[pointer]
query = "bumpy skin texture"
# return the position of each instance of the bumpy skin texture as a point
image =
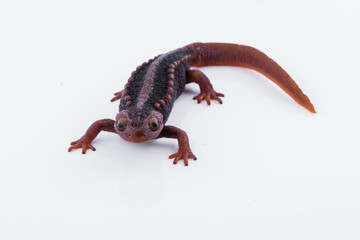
(149, 94)
(164, 72)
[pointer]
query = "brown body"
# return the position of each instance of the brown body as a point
(150, 92)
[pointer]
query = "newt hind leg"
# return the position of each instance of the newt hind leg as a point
(207, 91)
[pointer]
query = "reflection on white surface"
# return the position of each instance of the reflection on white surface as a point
(266, 168)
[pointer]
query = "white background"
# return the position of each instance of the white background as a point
(266, 169)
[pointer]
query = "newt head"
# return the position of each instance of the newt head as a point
(138, 127)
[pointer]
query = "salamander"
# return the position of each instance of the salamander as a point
(149, 94)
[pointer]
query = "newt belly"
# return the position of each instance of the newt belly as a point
(149, 94)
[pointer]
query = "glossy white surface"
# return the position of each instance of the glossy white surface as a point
(266, 169)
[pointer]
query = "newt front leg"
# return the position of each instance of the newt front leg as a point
(184, 152)
(85, 141)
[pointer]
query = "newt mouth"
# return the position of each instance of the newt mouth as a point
(139, 134)
(137, 137)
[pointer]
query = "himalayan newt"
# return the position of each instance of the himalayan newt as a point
(150, 92)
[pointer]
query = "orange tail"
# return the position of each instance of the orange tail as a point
(224, 54)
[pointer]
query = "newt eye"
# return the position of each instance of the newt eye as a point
(121, 124)
(153, 124)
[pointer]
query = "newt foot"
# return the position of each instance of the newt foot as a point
(183, 154)
(208, 95)
(82, 143)
(117, 96)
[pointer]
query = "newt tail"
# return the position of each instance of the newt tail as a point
(224, 54)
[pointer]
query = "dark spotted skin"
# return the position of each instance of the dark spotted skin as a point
(150, 93)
